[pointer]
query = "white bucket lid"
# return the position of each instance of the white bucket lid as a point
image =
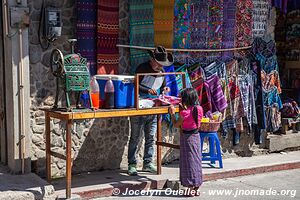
(114, 77)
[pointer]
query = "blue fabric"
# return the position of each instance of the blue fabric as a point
(171, 81)
(272, 97)
(140, 124)
(267, 64)
(86, 32)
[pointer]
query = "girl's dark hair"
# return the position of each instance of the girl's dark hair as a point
(189, 97)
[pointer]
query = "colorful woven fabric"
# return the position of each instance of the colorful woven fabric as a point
(260, 15)
(86, 32)
(182, 13)
(107, 37)
(198, 24)
(219, 102)
(190, 160)
(215, 23)
(141, 30)
(204, 96)
(163, 22)
(244, 22)
(228, 26)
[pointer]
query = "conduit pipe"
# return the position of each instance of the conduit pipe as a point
(21, 101)
(21, 141)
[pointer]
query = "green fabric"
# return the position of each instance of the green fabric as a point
(141, 31)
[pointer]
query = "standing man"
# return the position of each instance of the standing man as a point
(149, 86)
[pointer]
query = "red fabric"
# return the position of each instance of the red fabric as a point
(203, 94)
(107, 37)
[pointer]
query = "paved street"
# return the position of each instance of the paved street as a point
(279, 185)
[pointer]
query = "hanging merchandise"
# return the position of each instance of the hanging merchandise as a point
(244, 23)
(86, 32)
(182, 14)
(267, 84)
(107, 37)
(261, 9)
(163, 22)
(281, 4)
(229, 26)
(95, 93)
(215, 25)
(199, 29)
(141, 31)
(109, 92)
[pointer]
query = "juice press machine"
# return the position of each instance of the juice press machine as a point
(72, 76)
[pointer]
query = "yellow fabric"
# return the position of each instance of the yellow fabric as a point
(163, 22)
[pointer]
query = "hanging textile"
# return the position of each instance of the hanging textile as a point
(244, 22)
(229, 26)
(261, 9)
(215, 26)
(163, 22)
(182, 14)
(141, 30)
(292, 5)
(107, 37)
(86, 32)
(281, 4)
(198, 24)
(215, 23)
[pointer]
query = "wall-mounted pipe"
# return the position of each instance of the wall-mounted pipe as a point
(21, 102)
(5, 17)
(21, 105)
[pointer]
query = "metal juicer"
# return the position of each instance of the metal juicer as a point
(72, 75)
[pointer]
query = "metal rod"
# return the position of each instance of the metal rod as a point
(21, 102)
(185, 50)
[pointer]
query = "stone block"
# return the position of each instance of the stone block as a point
(277, 143)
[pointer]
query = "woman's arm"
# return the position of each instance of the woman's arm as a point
(176, 122)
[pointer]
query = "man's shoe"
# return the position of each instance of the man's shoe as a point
(149, 167)
(132, 170)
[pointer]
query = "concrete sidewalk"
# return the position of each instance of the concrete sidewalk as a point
(99, 184)
(25, 187)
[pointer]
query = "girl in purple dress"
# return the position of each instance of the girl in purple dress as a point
(189, 120)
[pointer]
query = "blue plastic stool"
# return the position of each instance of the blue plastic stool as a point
(214, 143)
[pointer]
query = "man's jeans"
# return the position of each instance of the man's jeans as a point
(140, 124)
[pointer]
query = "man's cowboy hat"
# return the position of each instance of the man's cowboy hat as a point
(160, 55)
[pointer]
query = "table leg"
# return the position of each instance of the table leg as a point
(68, 159)
(159, 139)
(48, 146)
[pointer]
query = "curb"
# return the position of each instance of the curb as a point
(160, 184)
(251, 171)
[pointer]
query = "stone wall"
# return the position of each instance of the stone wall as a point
(96, 144)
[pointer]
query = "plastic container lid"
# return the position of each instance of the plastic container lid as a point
(114, 77)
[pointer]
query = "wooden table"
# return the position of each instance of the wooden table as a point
(70, 116)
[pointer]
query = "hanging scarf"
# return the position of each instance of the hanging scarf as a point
(229, 26)
(244, 22)
(163, 22)
(86, 32)
(141, 30)
(198, 24)
(261, 10)
(182, 14)
(107, 37)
